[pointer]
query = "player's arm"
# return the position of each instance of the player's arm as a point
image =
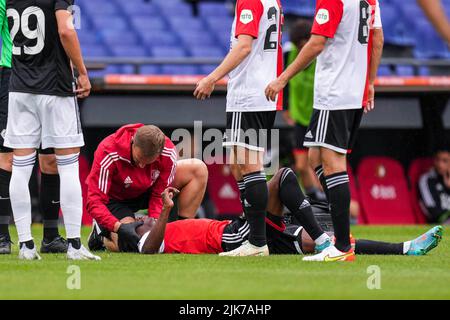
(248, 17)
(436, 13)
(328, 17)
(234, 58)
(375, 59)
(99, 183)
(156, 236)
(307, 55)
(165, 179)
(69, 41)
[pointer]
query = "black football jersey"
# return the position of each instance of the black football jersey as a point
(39, 64)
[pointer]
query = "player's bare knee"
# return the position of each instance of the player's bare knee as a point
(6, 161)
(200, 170)
(333, 163)
(47, 164)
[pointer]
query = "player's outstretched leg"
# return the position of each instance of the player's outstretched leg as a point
(293, 198)
(72, 206)
(426, 242)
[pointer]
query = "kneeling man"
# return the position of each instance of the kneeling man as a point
(131, 169)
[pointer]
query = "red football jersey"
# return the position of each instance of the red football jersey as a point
(114, 176)
(194, 236)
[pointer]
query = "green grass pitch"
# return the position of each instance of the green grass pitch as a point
(133, 276)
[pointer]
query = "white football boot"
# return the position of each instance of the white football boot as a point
(80, 254)
(28, 254)
(332, 254)
(247, 250)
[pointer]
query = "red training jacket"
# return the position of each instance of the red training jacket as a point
(113, 176)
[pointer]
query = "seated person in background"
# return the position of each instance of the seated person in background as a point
(434, 188)
(206, 236)
(131, 169)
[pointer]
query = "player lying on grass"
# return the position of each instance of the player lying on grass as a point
(205, 236)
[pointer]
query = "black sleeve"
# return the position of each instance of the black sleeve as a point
(63, 4)
(430, 198)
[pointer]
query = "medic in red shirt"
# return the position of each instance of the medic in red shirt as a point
(131, 169)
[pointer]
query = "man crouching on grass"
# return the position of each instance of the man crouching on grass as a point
(131, 169)
(206, 236)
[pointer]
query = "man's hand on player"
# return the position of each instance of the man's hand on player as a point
(204, 88)
(167, 197)
(83, 86)
(370, 99)
(274, 88)
(128, 235)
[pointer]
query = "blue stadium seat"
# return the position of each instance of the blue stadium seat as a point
(179, 69)
(124, 38)
(151, 39)
(384, 71)
(303, 8)
(95, 51)
(172, 8)
(115, 23)
(129, 51)
(138, 8)
(99, 7)
(214, 9)
(168, 52)
(186, 23)
(206, 52)
(429, 43)
(150, 69)
(219, 24)
(111, 69)
(405, 71)
(148, 24)
(196, 38)
(207, 69)
(88, 37)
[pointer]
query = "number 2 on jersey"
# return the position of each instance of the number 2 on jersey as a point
(269, 44)
(22, 24)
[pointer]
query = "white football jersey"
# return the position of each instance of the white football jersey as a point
(342, 69)
(261, 19)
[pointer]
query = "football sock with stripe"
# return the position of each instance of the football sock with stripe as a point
(49, 205)
(339, 199)
(378, 247)
(20, 195)
(293, 198)
(5, 203)
(321, 177)
(256, 198)
(70, 194)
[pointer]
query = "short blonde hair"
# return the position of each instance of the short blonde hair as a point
(150, 140)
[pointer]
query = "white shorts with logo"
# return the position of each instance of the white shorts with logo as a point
(35, 119)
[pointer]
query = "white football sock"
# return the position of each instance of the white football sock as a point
(320, 240)
(70, 194)
(406, 246)
(20, 194)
